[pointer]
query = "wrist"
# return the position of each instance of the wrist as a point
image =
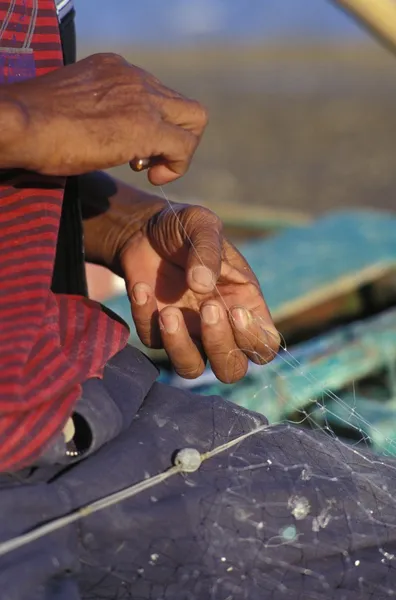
(113, 213)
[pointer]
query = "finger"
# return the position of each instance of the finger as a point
(184, 112)
(145, 315)
(237, 270)
(182, 351)
(254, 335)
(173, 149)
(163, 90)
(228, 363)
(161, 174)
(204, 230)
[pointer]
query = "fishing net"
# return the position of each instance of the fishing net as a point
(202, 498)
(277, 511)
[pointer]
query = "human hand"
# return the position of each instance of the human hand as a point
(102, 112)
(193, 293)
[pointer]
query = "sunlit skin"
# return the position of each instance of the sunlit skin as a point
(194, 294)
(191, 291)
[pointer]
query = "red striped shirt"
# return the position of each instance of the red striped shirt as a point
(49, 344)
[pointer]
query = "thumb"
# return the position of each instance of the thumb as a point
(205, 254)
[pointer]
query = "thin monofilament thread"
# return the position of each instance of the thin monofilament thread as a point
(129, 492)
(188, 238)
(308, 376)
(133, 490)
(232, 443)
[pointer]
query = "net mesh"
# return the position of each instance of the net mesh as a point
(291, 511)
(300, 507)
(299, 514)
(278, 511)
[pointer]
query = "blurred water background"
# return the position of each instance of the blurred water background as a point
(191, 21)
(302, 101)
(302, 107)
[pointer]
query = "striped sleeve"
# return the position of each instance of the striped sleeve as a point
(49, 344)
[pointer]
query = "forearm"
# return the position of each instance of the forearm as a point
(112, 212)
(13, 122)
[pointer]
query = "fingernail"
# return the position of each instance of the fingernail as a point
(273, 337)
(241, 317)
(170, 323)
(210, 314)
(140, 294)
(203, 276)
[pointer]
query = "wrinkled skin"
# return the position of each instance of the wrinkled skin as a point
(194, 294)
(190, 290)
(98, 113)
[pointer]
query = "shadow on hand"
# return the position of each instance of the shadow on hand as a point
(171, 286)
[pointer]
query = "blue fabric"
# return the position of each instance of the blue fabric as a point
(286, 514)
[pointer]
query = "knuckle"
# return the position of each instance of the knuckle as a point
(141, 74)
(154, 80)
(143, 325)
(106, 58)
(144, 336)
(148, 336)
(200, 215)
(143, 330)
(224, 353)
(235, 369)
(190, 145)
(267, 350)
(114, 57)
(184, 149)
(190, 371)
(218, 353)
(203, 116)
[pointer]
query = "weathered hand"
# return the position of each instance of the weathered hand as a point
(194, 294)
(98, 113)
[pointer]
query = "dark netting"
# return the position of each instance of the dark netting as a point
(286, 513)
(274, 511)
